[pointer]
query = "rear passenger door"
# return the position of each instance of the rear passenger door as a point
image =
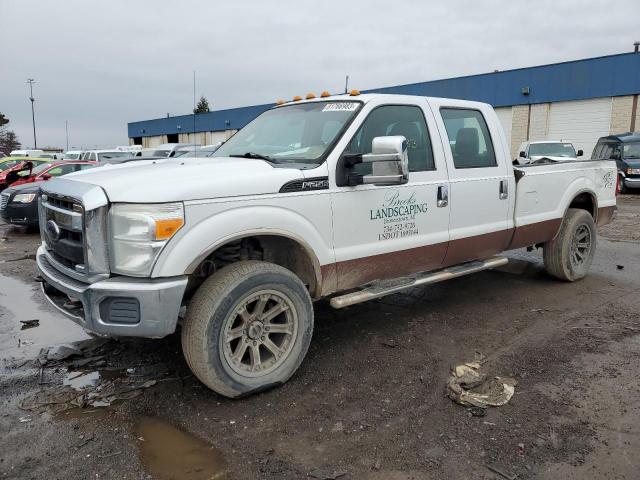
(481, 183)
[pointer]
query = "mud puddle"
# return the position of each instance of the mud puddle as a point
(169, 453)
(17, 304)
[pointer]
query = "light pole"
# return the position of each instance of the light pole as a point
(31, 81)
(66, 131)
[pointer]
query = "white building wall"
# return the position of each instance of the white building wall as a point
(505, 115)
(581, 122)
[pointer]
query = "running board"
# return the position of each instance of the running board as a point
(382, 288)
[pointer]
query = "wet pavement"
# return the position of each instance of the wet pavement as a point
(17, 304)
(169, 453)
(368, 402)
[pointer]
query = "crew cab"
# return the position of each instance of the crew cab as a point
(554, 150)
(351, 197)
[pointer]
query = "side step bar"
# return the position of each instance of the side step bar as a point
(383, 288)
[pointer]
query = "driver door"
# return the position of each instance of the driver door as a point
(388, 231)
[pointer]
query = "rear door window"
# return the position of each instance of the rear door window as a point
(469, 138)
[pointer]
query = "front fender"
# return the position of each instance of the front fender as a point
(205, 231)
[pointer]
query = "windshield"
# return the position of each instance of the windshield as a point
(9, 164)
(552, 150)
(161, 153)
(631, 150)
(298, 133)
(40, 168)
(111, 155)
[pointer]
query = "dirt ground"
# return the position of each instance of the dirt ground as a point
(369, 400)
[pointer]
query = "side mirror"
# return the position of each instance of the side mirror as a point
(522, 154)
(615, 156)
(46, 176)
(389, 162)
(580, 153)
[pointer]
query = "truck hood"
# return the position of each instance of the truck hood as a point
(176, 179)
(551, 157)
(632, 162)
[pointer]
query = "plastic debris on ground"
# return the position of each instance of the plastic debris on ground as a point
(469, 386)
(86, 383)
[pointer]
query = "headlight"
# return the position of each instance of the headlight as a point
(633, 171)
(24, 198)
(138, 234)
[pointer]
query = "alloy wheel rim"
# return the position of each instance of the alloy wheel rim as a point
(260, 333)
(580, 246)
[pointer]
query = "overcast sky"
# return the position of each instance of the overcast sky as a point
(100, 64)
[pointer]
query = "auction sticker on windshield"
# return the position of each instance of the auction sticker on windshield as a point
(340, 107)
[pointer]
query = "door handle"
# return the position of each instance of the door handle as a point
(504, 190)
(443, 196)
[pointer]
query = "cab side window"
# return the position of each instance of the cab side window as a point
(469, 138)
(405, 120)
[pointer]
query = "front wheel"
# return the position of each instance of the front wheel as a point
(570, 254)
(622, 188)
(247, 328)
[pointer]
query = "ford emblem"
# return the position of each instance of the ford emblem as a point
(53, 231)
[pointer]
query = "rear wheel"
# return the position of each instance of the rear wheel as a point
(569, 255)
(247, 328)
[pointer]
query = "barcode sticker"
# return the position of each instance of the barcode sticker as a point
(340, 107)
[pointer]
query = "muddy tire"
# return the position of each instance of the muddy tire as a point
(569, 255)
(247, 328)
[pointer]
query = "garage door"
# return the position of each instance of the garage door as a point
(505, 117)
(581, 122)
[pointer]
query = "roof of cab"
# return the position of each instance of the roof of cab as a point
(622, 137)
(367, 97)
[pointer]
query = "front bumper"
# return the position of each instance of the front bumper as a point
(120, 306)
(21, 213)
(631, 182)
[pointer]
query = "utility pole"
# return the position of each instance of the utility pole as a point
(194, 111)
(66, 130)
(31, 81)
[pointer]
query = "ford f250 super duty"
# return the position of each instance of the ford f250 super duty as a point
(350, 197)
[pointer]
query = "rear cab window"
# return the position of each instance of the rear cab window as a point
(469, 138)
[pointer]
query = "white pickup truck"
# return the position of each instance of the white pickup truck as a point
(351, 197)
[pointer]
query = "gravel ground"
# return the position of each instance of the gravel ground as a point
(368, 401)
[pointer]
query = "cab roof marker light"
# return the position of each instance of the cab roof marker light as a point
(280, 102)
(310, 96)
(325, 94)
(354, 93)
(297, 98)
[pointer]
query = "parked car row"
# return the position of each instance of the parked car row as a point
(22, 176)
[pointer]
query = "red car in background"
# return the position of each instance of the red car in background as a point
(44, 172)
(11, 170)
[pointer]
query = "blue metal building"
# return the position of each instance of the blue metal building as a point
(540, 90)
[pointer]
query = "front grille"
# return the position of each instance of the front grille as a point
(63, 232)
(4, 199)
(61, 203)
(73, 226)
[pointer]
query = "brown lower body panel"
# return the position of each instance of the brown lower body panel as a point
(605, 215)
(361, 271)
(534, 233)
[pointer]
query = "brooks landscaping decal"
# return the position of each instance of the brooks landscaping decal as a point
(397, 214)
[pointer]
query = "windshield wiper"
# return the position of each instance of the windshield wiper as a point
(256, 156)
